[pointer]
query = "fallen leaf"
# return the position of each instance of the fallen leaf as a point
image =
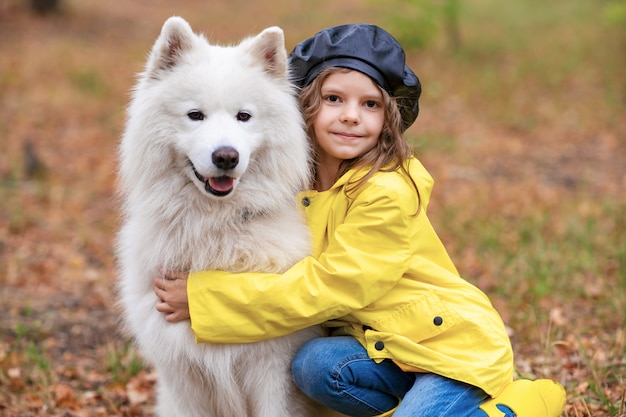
(557, 318)
(64, 396)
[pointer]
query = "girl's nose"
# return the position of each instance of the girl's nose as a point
(350, 114)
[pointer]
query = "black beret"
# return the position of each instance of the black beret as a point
(365, 48)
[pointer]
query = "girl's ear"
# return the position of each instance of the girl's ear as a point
(268, 50)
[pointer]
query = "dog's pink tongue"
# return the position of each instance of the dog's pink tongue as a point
(222, 183)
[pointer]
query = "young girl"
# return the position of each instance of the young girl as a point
(410, 337)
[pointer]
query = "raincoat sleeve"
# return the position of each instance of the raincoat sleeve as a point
(364, 259)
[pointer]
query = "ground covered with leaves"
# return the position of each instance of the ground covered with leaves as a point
(522, 126)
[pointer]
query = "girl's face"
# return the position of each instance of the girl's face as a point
(350, 119)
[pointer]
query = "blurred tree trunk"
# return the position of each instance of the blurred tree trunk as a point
(44, 6)
(451, 12)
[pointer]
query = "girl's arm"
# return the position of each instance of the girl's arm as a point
(367, 255)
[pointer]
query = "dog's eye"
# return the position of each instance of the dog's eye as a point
(195, 115)
(243, 116)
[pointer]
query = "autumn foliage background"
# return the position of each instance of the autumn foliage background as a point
(522, 126)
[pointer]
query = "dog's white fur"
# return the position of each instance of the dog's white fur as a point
(171, 218)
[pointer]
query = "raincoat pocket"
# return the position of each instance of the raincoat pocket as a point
(420, 319)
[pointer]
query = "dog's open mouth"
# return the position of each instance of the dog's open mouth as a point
(218, 186)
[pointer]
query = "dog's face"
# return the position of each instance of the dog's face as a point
(215, 133)
(215, 103)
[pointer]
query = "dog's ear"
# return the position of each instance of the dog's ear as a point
(268, 49)
(176, 37)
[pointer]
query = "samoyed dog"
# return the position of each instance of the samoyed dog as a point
(213, 155)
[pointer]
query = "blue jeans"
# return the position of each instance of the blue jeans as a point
(337, 372)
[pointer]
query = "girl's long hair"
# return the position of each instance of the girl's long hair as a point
(391, 151)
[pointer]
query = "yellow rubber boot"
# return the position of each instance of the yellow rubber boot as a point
(526, 398)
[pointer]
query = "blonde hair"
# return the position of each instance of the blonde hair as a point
(391, 150)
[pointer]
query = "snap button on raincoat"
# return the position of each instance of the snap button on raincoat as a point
(377, 272)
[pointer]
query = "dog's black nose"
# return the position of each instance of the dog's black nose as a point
(225, 157)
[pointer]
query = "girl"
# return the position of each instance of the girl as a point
(410, 337)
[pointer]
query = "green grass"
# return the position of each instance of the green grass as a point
(553, 248)
(123, 362)
(525, 49)
(35, 361)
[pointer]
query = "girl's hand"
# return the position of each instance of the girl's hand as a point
(171, 289)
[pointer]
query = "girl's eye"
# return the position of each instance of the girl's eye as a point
(332, 98)
(195, 115)
(371, 104)
(243, 116)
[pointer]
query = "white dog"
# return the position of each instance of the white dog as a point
(213, 155)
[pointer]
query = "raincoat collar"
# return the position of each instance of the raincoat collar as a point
(413, 167)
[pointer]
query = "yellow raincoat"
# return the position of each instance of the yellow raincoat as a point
(377, 272)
